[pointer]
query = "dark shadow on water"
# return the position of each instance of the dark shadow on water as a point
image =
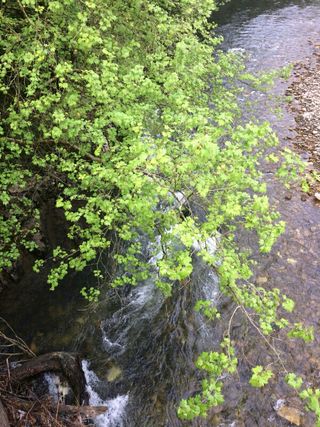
(243, 10)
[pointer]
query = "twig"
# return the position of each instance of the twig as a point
(230, 321)
(17, 340)
(24, 12)
(275, 351)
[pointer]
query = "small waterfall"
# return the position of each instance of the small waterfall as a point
(152, 341)
(155, 342)
(142, 304)
(58, 389)
(115, 415)
(138, 307)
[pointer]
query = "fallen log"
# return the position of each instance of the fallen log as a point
(69, 410)
(4, 422)
(66, 363)
(84, 411)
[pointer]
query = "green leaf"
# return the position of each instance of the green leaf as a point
(260, 376)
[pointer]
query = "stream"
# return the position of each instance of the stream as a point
(140, 348)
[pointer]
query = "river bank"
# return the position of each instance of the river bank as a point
(304, 92)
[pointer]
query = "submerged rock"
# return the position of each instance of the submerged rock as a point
(290, 414)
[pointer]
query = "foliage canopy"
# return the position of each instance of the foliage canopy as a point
(121, 106)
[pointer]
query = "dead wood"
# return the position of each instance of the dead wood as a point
(61, 409)
(66, 363)
(4, 422)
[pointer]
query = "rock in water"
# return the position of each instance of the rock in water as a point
(292, 415)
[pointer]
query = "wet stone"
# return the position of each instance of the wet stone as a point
(292, 415)
(261, 280)
(113, 373)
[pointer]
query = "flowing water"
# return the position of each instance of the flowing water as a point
(140, 348)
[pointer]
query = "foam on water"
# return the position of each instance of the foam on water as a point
(53, 384)
(115, 415)
(58, 389)
(210, 245)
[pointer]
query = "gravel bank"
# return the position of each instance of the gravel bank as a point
(305, 105)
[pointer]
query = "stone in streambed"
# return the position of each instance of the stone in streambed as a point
(114, 373)
(261, 280)
(292, 415)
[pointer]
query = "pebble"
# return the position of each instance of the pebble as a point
(261, 280)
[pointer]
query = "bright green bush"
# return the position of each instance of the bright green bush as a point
(119, 105)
